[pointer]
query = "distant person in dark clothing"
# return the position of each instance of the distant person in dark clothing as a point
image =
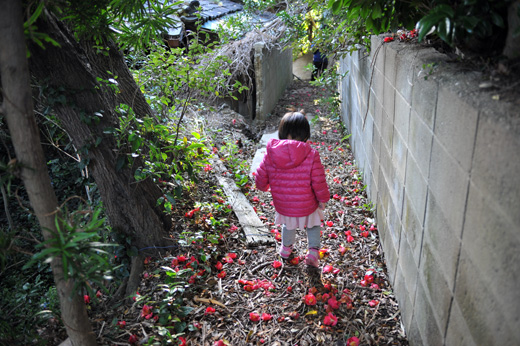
(320, 63)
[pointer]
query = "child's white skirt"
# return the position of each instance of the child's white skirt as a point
(292, 222)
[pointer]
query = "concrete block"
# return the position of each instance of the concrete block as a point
(390, 252)
(390, 64)
(449, 183)
(405, 296)
(377, 54)
(404, 78)
(377, 85)
(456, 126)
(492, 243)
(482, 312)
(402, 116)
(431, 335)
(389, 100)
(394, 226)
(387, 132)
(399, 156)
(420, 143)
(496, 161)
(376, 142)
(408, 264)
(354, 59)
(416, 188)
(458, 333)
(434, 282)
(384, 194)
(378, 112)
(412, 228)
(413, 334)
(442, 237)
(424, 99)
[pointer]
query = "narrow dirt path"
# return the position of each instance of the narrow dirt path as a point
(234, 294)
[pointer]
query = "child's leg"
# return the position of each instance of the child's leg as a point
(313, 241)
(313, 237)
(288, 237)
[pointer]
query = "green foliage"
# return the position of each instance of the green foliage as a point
(458, 22)
(77, 243)
(239, 167)
(140, 23)
(331, 100)
(26, 304)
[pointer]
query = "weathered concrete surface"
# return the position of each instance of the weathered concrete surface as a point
(273, 73)
(441, 160)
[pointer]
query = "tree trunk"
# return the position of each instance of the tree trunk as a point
(72, 70)
(17, 106)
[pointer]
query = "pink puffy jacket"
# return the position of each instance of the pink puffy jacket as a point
(296, 176)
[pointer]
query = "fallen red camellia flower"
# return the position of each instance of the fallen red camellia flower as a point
(353, 341)
(266, 317)
(330, 320)
(253, 316)
(310, 299)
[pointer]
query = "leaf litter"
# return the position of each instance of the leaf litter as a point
(232, 280)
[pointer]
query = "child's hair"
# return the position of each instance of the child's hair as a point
(296, 125)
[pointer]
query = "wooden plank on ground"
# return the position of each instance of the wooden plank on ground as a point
(254, 229)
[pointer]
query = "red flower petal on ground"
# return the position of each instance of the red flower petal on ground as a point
(182, 340)
(294, 315)
(266, 317)
(374, 286)
(219, 265)
(330, 223)
(342, 250)
(333, 303)
(277, 264)
(121, 324)
(86, 299)
(289, 289)
(310, 299)
(253, 316)
(209, 310)
(369, 278)
(221, 275)
(388, 39)
(295, 261)
(133, 339)
(373, 303)
(350, 238)
(323, 252)
(333, 235)
(353, 341)
(327, 268)
(330, 320)
(219, 343)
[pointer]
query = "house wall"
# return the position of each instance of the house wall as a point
(441, 160)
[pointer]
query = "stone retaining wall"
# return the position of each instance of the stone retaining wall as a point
(441, 159)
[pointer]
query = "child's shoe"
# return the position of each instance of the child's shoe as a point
(285, 251)
(312, 258)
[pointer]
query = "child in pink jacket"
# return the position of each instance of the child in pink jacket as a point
(296, 176)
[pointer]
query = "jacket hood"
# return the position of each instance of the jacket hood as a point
(287, 153)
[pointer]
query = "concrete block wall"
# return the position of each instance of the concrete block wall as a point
(441, 160)
(273, 73)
